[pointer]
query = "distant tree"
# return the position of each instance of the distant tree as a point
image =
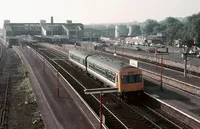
(149, 25)
(170, 20)
(136, 30)
(159, 29)
(191, 30)
(189, 43)
(172, 28)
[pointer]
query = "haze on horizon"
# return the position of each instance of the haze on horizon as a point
(95, 11)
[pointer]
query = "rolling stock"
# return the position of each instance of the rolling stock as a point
(115, 73)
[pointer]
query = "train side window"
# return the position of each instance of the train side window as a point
(116, 78)
(106, 72)
(109, 75)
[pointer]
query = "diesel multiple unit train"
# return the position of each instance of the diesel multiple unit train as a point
(127, 79)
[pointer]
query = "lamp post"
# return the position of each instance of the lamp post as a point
(156, 62)
(100, 91)
(101, 110)
(57, 78)
(35, 56)
(44, 66)
(161, 67)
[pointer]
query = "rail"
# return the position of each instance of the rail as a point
(4, 109)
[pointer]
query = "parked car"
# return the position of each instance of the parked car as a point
(137, 48)
(153, 45)
(153, 50)
(142, 44)
(198, 55)
(117, 43)
(160, 46)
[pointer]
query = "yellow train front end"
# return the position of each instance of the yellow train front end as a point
(130, 81)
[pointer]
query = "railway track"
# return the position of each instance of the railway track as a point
(5, 105)
(5, 83)
(118, 114)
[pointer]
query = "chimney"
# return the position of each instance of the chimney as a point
(69, 21)
(51, 19)
(51, 25)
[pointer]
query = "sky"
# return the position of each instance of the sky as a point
(95, 11)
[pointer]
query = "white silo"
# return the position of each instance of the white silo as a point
(130, 30)
(121, 30)
(116, 32)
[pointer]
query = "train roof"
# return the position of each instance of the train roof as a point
(116, 65)
(111, 63)
(80, 53)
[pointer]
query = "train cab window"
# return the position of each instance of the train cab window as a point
(138, 78)
(131, 79)
(124, 79)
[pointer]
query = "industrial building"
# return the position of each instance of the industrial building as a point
(68, 32)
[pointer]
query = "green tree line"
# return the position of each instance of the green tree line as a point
(187, 29)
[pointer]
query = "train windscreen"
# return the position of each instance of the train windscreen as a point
(125, 79)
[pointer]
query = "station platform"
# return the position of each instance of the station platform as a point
(181, 100)
(65, 111)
